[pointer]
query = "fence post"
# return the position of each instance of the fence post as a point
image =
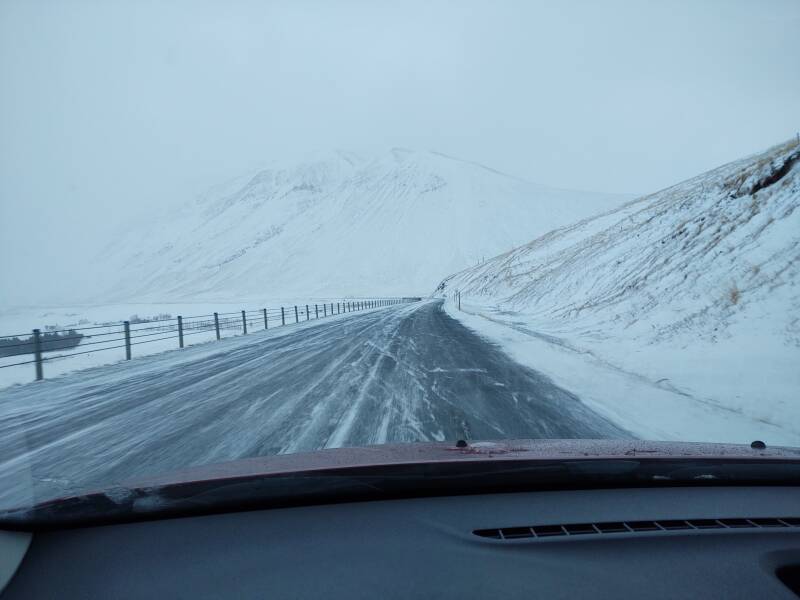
(216, 324)
(244, 323)
(324, 310)
(306, 312)
(265, 318)
(127, 325)
(180, 331)
(316, 311)
(37, 353)
(296, 319)
(283, 317)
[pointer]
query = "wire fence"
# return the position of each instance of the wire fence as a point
(37, 347)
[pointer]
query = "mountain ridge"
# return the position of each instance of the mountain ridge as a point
(692, 290)
(346, 224)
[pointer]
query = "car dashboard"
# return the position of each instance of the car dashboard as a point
(710, 542)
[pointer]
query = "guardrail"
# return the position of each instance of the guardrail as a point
(121, 335)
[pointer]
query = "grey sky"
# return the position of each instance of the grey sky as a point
(110, 109)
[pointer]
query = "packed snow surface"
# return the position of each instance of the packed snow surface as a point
(401, 374)
(677, 315)
(336, 225)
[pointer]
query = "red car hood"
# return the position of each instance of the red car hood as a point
(403, 470)
(440, 452)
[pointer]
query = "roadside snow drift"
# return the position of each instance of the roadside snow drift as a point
(677, 314)
(337, 225)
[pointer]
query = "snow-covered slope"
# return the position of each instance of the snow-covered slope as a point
(338, 225)
(694, 289)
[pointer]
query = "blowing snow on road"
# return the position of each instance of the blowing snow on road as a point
(400, 374)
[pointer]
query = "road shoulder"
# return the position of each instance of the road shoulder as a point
(650, 410)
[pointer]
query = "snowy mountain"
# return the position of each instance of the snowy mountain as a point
(338, 225)
(694, 288)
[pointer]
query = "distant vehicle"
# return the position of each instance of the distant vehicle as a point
(49, 341)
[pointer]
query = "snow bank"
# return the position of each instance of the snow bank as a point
(677, 314)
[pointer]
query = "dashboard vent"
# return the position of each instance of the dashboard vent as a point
(546, 531)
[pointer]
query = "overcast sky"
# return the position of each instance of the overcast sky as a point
(110, 109)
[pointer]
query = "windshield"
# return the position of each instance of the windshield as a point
(235, 231)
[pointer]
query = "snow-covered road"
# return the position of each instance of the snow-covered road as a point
(400, 374)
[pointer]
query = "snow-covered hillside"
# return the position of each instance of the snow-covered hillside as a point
(338, 225)
(677, 314)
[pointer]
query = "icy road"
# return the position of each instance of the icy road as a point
(406, 373)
